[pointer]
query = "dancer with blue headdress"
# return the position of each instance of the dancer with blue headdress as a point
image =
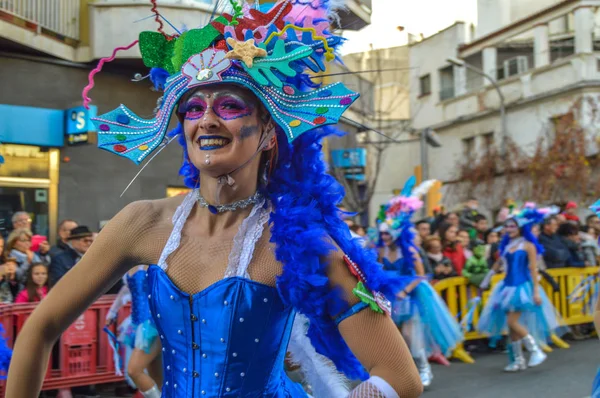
(518, 305)
(254, 262)
(419, 311)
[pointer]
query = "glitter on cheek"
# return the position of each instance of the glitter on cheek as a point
(247, 131)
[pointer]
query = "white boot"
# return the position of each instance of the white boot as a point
(537, 355)
(515, 356)
(424, 368)
(151, 393)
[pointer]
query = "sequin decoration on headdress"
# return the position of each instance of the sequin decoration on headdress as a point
(268, 52)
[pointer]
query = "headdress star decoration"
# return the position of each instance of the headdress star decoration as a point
(244, 51)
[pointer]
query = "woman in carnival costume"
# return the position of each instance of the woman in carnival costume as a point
(256, 255)
(596, 385)
(138, 333)
(418, 310)
(517, 303)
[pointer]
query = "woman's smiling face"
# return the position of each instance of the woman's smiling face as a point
(223, 127)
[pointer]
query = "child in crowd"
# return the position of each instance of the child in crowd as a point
(492, 240)
(465, 240)
(476, 267)
(9, 284)
(589, 245)
(441, 265)
(36, 287)
(479, 231)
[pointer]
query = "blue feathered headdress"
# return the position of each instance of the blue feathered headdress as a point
(398, 213)
(526, 218)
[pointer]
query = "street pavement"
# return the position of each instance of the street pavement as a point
(565, 374)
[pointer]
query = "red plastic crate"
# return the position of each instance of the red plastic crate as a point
(83, 331)
(78, 360)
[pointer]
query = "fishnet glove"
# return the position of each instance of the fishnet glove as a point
(375, 387)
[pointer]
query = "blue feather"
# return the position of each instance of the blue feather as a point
(408, 186)
(159, 76)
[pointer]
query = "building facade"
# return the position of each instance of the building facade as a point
(539, 66)
(52, 168)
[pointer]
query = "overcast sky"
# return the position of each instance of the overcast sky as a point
(424, 16)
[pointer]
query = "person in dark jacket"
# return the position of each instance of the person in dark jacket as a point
(79, 241)
(556, 254)
(569, 234)
(64, 230)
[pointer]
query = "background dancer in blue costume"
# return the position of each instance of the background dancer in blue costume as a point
(518, 304)
(138, 333)
(420, 313)
(596, 385)
(256, 255)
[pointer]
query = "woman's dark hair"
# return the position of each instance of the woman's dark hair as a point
(443, 229)
(32, 289)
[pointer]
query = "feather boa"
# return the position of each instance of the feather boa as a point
(322, 376)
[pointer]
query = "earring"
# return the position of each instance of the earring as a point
(207, 160)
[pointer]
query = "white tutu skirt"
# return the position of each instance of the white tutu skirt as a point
(140, 336)
(540, 320)
(425, 321)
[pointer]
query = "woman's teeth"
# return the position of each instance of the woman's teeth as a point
(213, 143)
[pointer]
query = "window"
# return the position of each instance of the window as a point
(468, 147)
(425, 85)
(488, 142)
(447, 83)
(516, 66)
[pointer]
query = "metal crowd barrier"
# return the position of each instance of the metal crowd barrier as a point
(458, 294)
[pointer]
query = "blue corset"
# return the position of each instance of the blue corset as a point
(398, 266)
(517, 271)
(229, 340)
(140, 308)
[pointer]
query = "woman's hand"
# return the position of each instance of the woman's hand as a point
(537, 299)
(44, 248)
(30, 256)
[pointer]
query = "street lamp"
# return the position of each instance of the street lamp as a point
(460, 62)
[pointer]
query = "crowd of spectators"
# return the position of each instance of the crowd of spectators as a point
(29, 266)
(465, 242)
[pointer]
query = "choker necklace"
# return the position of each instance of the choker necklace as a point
(240, 204)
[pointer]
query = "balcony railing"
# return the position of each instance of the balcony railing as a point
(57, 16)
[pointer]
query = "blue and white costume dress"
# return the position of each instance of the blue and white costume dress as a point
(137, 330)
(432, 326)
(515, 294)
(231, 338)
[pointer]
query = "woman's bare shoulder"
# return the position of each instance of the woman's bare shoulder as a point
(144, 214)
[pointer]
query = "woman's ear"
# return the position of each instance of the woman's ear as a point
(271, 140)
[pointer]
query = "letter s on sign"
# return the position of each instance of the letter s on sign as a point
(80, 120)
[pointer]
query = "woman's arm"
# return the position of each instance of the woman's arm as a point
(123, 243)
(533, 269)
(375, 340)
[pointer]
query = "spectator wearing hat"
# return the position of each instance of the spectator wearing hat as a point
(78, 242)
(64, 231)
(571, 213)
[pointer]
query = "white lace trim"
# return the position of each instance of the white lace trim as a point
(243, 243)
(245, 240)
(179, 218)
